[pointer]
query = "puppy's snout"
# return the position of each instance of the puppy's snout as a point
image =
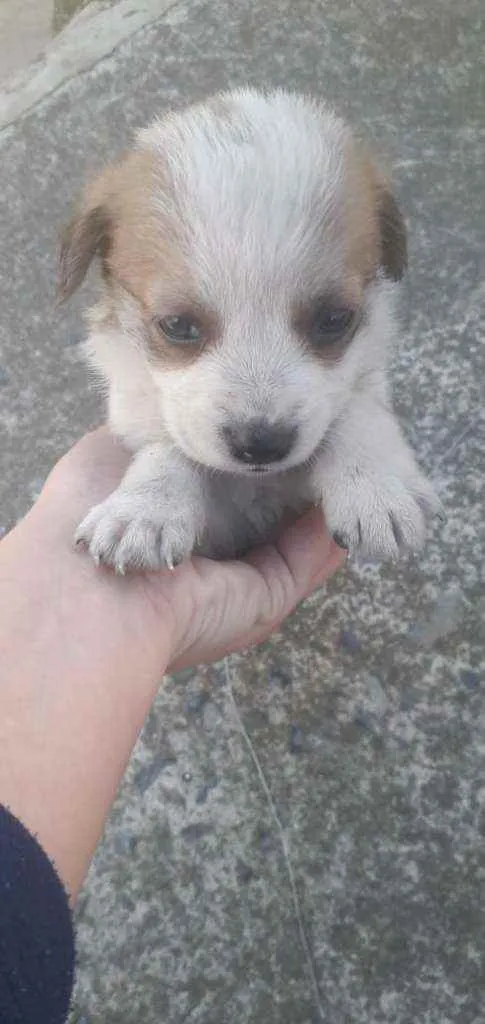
(258, 442)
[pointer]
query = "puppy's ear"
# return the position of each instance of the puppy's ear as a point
(87, 235)
(377, 222)
(393, 256)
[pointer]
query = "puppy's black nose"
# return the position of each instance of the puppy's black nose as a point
(258, 442)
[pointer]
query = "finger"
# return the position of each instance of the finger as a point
(257, 593)
(309, 550)
(303, 557)
(260, 598)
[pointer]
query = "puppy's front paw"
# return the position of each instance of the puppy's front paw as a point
(380, 517)
(135, 531)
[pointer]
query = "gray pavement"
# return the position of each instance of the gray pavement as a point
(312, 851)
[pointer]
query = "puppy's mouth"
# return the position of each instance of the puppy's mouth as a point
(259, 470)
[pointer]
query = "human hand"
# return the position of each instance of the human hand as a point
(83, 650)
(207, 608)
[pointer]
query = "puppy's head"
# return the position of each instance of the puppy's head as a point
(249, 252)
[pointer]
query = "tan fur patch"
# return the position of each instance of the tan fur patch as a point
(145, 247)
(361, 225)
(128, 217)
(376, 233)
(121, 218)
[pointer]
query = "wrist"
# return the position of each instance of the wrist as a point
(83, 653)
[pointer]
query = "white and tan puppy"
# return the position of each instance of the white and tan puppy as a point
(250, 254)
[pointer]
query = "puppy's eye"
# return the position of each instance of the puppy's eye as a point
(329, 325)
(180, 330)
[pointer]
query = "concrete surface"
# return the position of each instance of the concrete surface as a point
(24, 30)
(93, 33)
(313, 851)
(64, 10)
(27, 28)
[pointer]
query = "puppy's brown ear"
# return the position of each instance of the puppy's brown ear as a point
(393, 257)
(87, 235)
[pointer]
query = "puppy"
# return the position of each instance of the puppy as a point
(251, 255)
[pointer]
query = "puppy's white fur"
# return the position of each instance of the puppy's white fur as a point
(249, 207)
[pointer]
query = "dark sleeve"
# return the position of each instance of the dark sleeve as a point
(36, 931)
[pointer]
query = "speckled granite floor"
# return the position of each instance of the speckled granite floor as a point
(355, 745)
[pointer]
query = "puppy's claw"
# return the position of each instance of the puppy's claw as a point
(340, 540)
(133, 536)
(397, 532)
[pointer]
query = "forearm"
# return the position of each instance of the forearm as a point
(77, 679)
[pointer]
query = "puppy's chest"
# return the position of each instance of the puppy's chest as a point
(242, 513)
